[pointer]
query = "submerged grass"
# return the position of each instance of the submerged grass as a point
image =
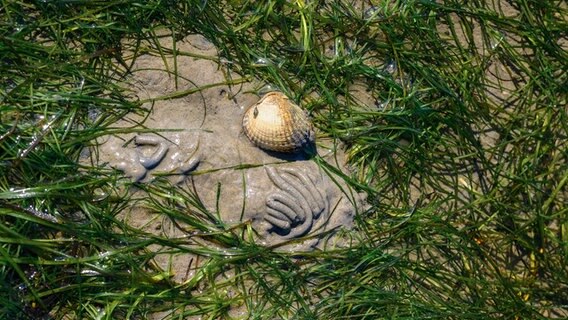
(453, 114)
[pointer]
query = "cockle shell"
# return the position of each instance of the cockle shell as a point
(277, 124)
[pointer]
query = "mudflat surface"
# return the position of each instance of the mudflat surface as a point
(196, 141)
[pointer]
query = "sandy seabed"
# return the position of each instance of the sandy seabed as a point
(199, 142)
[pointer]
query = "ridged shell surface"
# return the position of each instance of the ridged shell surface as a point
(275, 123)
